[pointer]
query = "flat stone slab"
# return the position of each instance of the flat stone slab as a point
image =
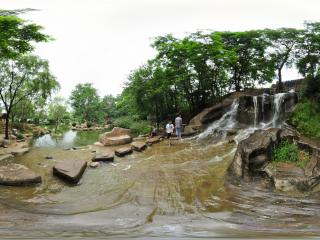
(123, 151)
(106, 157)
(70, 170)
(18, 175)
(138, 146)
(6, 157)
(153, 140)
(19, 151)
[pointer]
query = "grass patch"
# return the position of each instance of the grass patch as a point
(289, 153)
(306, 118)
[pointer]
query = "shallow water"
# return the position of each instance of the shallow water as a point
(163, 192)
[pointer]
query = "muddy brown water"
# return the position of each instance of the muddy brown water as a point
(163, 192)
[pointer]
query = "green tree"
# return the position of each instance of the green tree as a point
(26, 77)
(248, 64)
(17, 36)
(57, 111)
(86, 103)
(283, 45)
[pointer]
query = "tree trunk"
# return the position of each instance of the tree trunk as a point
(7, 126)
(280, 84)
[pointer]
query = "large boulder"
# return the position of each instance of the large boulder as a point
(254, 158)
(70, 170)
(117, 136)
(17, 175)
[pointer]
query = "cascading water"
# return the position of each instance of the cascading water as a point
(277, 103)
(255, 104)
(227, 121)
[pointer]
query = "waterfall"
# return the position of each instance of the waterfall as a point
(227, 121)
(255, 104)
(277, 103)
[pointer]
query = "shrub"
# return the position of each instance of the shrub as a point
(306, 119)
(286, 152)
(137, 126)
(289, 153)
(74, 124)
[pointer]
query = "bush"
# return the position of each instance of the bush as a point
(289, 153)
(306, 118)
(74, 124)
(137, 126)
(286, 152)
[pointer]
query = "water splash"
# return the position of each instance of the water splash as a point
(277, 103)
(226, 122)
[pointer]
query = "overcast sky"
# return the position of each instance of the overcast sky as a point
(101, 41)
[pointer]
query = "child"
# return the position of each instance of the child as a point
(169, 130)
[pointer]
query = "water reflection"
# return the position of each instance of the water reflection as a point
(68, 139)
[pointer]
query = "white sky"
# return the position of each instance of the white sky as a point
(101, 41)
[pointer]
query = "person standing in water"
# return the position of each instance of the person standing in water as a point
(178, 124)
(169, 130)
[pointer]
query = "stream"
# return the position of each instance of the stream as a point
(171, 192)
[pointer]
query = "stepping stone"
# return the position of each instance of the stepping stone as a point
(94, 164)
(70, 170)
(123, 151)
(6, 157)
(19, 152)
(18, 175)
(106, 156)
(138, 146)
(153, 140)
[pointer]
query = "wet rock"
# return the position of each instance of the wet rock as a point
(19, 151)
(70, 170)
(94, 164)
(17, 175)
(98, 144)
(123, 151)
(117, 136)
(6, 157)
(153, 140)
(254, 155)
(105, 157)
(138, 146)
(188, 131)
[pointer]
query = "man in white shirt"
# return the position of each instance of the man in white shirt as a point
(169, 130)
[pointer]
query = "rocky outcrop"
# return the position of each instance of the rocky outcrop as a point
(18, 175)
(138, 146)
(265, 108)
(254, 156)
(121, 152)
(215, 112)
(70, 170)
(118, 136)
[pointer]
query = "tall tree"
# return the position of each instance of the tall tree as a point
(86, 103)
(25, 77)
(57, 110)
(282, 47)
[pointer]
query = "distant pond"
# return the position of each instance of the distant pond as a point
(68, 139)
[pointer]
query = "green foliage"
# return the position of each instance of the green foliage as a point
(57, 111)
(286, 152)
(306, 118)
(86, 104)
(289, 153)
(137, 126)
